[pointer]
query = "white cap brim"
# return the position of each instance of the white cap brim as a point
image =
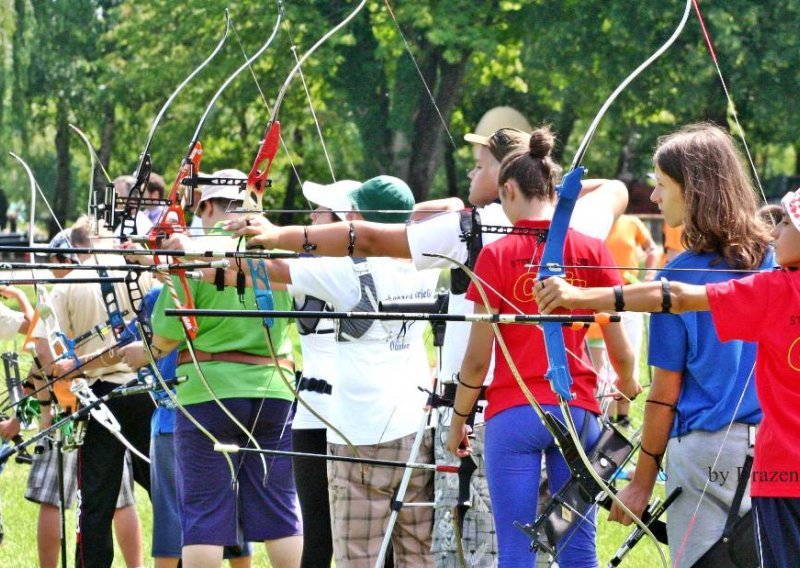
(333, 196)
(477, 139)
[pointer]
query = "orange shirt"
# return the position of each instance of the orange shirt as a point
(628, 235)
(672, 241)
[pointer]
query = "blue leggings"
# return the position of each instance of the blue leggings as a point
(777, 525)
(515, 442)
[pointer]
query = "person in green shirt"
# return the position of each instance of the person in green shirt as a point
(232, 373)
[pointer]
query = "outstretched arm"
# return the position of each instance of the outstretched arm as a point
(554, 293)
(368, 239)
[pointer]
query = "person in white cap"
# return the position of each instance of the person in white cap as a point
(233, 362)
(702, 405)
(316, 383)
(217, 202)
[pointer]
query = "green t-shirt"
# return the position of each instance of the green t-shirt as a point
(220, 334)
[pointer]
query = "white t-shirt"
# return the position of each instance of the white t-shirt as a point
(375, 398)
(319, 362)
(10, 320)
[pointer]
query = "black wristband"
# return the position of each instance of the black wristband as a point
(619, 300)
(458, 378)
(45, 402)
(656, 457)
(351, 246)
(666, 299)
(307, 246)
(461, 414)
(660, 403)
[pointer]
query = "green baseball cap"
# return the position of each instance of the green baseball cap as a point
(380, 194)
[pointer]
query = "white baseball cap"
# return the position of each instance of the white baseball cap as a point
(231, 192)
(333, 196)
(791, 204)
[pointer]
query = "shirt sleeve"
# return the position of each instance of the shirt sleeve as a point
(668, 342)
(333, 280)
(487, 270)
(592, 217)
(440, 234)
(10, 320)
(738, 306)
(167, 327)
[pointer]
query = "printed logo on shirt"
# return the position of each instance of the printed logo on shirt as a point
(523, 287)
(793, 357)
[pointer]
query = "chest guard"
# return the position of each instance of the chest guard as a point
(473, 239)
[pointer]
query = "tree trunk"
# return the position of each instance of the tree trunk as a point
(563, 129)
(426, 147)
(106, 144)
(797, 159)
(361, 79)
(292, 186)
(61, 199)
(453, 177)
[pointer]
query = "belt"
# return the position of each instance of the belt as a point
(314, 385)
(185, 357)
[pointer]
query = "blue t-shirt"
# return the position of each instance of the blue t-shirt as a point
(163, 420)
(714, 373)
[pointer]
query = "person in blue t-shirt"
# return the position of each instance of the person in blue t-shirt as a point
(702, 184)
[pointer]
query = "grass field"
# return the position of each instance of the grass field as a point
(20, 517)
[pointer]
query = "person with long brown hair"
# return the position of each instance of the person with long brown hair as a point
(702, 407)
(515, 438)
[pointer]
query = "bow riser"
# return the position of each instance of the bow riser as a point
(552, 265)
(257, 179)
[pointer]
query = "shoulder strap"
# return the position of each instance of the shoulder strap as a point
(306, 325)
(351, 329)
(733, 514)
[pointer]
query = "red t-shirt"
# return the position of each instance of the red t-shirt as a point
(765, 308)
(503, 268)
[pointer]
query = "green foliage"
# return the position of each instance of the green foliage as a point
(111, 64)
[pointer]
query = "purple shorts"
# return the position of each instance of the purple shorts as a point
(212, 507)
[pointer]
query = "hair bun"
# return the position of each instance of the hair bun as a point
(541, 143)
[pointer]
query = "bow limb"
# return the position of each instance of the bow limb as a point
(94, 160)
(178, 90)
(143, 169)
(257, 178)
(562, 404)
(174, 399)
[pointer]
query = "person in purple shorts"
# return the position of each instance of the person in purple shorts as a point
(233, 373)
